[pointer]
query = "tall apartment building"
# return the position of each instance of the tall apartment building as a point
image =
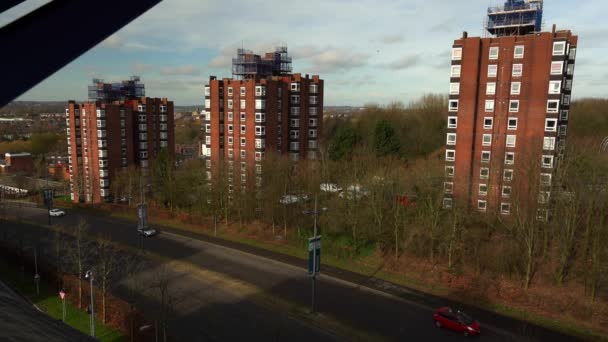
(508, 111)
(107, 135)
(270, 110)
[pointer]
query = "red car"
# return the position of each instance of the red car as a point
(457, 321)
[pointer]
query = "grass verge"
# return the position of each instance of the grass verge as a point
(49, 302)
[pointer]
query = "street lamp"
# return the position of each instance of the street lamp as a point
(89, 275)
(313, 264)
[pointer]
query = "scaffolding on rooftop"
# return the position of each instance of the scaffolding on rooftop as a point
(107, 92)
(515, 17)
(248, 65)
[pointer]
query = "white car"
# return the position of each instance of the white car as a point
(147, 232)
(56, 212)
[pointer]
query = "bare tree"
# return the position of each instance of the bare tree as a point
(106, 267)
(79, 252)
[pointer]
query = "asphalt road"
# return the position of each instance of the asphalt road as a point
(375, 312)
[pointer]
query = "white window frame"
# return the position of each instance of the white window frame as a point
(549, 143)
(243, 91)
(448, 187)
(563, 114)
(486, 140)
(492, 70)
(230, 91)
(548, 128)
(518, 70)
(454, 88)
(513, 109)
(482, 205)
(489, 106)
(481, 173)
(559, 48)
(447, 203)
(488, 159)
(521, 54)
(557, 68)
(447, 155)
(515, 88)
(451, 141)
(485, 125)
(504, 175)
(545, 179)
(555, 87)
(511, 140)
(508, 194)
(482, 189)
(449, 171)
(511, 127)
(551, 110)
(562, 130)
(549, 164)
(455, 125)
(566, 99)
(491, 88)
(493, 52)
(457, 53)
(455, 71)
(512, 160)
(505, 208)
(451, 104)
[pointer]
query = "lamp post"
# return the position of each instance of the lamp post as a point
(36, 276)
(315, 248)
(89, 275)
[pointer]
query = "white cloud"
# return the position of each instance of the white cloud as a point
(142, 67)
(331, 60)
(186, 70)
(113, 42)
(405, 62)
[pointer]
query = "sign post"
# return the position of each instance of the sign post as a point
(62, 296)
(142, 220)
(47, 195)
(314, 263)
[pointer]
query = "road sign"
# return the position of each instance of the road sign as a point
(142, 216)
(62, 294)
(314, 255)
(47, 196)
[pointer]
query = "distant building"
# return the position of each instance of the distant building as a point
(17, 163)
(105, 136)
(508, 110)
(267, 109)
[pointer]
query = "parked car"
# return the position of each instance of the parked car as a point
(292, 199)
(56, 212)
(457, 321)
(330, 187)
(147, 232)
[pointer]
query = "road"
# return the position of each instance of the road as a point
(377, 313)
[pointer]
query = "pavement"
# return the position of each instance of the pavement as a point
(222, 294)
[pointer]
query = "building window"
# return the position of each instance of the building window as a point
(483, 189)
(550, 125)
(494, 52)
(572, 54)
(295, 111)
(260, 117)
(519, 51)
(559, 48)
(230, 116)
(562, 130)
(506, 191)
(552, 106)
(229, 91)
(555, 87)
(243, 154)
(450, 155)
(453, 107)
(454, 88)
(543, 197)
(485, 156)
(489, 105)
(513, 106)
(260, 130)
(260, 104)
(456, 54)
(447, 203)
(243, 103)
(484, 173)
(294, 122)
(545, 179)
(242, 91)
(452, 122)
(557, 68)
(242, 116)
(243, 128)
(295, 86)
(491, 88)
(448, 187)
(563, 115)
(515, 88)
(230, 151)
(449, 171)
(455, 71)
(312, 133)
(243, 142)
(549, 143)
(566, 99)
(517, 70)
(230, 127)
(451, 139)
(547, 162)
(486, 140)
(507, 175)
(481, 205)
(492, 70)
(313, 88)
(510, 158)
(512, 124)
(505, 208)
(511, 140)
(488, 122)
(568, 85)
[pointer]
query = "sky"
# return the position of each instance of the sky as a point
(367, 51)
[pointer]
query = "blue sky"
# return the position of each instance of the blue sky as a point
(365, 50)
